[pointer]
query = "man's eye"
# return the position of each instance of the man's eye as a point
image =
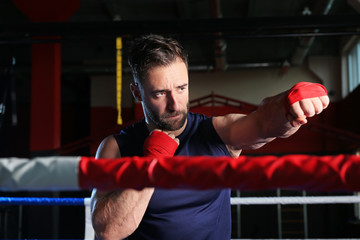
(159, 94)
(181, 89)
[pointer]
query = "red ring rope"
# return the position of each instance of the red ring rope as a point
(318, 173)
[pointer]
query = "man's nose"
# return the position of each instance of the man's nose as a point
(172, 102)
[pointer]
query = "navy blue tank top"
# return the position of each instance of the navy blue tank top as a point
(183, 214)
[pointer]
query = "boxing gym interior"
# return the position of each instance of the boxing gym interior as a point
(64, 87)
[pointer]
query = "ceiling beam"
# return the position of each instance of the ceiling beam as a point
(231, 28)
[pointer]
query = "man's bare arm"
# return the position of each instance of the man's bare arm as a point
(269, 121)
(117, 214)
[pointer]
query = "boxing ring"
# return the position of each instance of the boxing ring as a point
(245, 173)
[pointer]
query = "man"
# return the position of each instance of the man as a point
(161, 83)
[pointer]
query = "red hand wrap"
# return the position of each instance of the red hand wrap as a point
(131, 172)
(159, 144)
(301, 172)
(303, 90)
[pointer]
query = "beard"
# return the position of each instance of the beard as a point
(163, 122)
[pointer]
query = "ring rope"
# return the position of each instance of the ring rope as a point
(302, 172)
(234, 200)
(295, 200)
(89, 233)
(43, 201)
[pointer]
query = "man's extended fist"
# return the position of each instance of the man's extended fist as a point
(305, 100)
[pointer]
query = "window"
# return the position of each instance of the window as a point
(354, 67)
(350, 66)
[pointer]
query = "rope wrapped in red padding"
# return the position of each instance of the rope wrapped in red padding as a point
(301, 172)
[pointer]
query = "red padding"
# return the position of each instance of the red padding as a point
(301, 172)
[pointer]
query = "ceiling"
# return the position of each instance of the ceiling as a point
(219, 34)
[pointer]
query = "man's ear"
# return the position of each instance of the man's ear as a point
(135, 91)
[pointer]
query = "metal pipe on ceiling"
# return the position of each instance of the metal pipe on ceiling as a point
(219, 43)
(305, 43)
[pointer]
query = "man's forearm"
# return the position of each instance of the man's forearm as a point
(271, 116)
(116, 215)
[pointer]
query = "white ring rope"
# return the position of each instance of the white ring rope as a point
(41, 173)
(295, 200)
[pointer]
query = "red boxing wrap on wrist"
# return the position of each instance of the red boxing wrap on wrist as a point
(303, 90)
(159, 144)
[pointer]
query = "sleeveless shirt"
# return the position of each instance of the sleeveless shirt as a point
(183, 214)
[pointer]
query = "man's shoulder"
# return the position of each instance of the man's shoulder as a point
(108, 148)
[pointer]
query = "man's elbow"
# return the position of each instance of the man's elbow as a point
(111, 231)
(258, 144)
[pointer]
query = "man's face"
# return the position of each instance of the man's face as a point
(165, 96)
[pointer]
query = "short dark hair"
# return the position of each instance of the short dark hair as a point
(151, 51)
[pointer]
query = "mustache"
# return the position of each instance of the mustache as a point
(172, 114)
